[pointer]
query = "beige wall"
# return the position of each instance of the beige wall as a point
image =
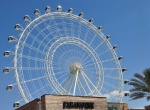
(51, 102)
(55, 102)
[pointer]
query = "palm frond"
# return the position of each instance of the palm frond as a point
(141, 85)
(146, 73)
(148, 98)
(140, 77)
(134, 82)
(135, 89)
(137, 95)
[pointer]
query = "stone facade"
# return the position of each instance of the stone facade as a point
(65, 102)
(51, 102)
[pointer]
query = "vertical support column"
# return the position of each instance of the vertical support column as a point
(75, 83)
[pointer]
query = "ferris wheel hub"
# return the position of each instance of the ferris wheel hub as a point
(75, 67)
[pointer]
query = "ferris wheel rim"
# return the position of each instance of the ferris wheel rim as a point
(70, 15)
(73, 42)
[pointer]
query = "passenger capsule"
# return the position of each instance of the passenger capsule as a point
(100, 28)
(48, 9)
(10, 39)
(6, 54)
(37, 12)
(70, 10)
(108, 37)
(115, 47)
(126, 82)
(16, 105)
(120, 58)
(91, 20)
(26, 18)
(6, 70)
(124, 69)
(17, 27)
(81, 14)
(9, 88)
(126, 94)
(59, 8)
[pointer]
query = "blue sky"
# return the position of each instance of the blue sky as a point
(126, 21)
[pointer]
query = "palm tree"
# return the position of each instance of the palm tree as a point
(141, 85)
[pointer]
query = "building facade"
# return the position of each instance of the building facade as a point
(65, 102)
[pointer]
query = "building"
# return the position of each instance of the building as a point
(117, 106)
(147, 107)
(66, 102)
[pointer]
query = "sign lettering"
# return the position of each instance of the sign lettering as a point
(78, 105)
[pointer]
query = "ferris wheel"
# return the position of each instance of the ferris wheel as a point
(63, 53)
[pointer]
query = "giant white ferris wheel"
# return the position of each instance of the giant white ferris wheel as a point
(63, 53)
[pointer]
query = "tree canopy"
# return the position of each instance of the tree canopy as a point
(141, 85)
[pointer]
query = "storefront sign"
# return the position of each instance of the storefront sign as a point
(78, 105)
(113, 108)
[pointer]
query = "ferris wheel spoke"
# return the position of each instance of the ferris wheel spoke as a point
(87, 62)
(82, 86)
(27, 81)
(103, 68)
(79, 88)
(36, 39)
(83, 57)
(109, 60)
(64, 27)
(61, 72)
(112, 69)
(38, 29)
(62, 76)
(72, 27)
(20, 100)
(64, 80)
(110, 85)
(32, 58)
(90, 90)
(95, 88)
(63, 89)
(86, 34)
(93, 38)
(63, 68)
(106, 93)
(71, 85)
(89, 55)
(75, 84)
(39, 89)
(42, 33)
(91, 64)
(33, 68)
(103, 52)
(57, 28)
(86, 58)
(47, 25)
(67, 82)
(110, 76)
(79, 30)
(33, 48)
(98, 45)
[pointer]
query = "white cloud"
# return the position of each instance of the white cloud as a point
(139, 108)
(114, 94)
